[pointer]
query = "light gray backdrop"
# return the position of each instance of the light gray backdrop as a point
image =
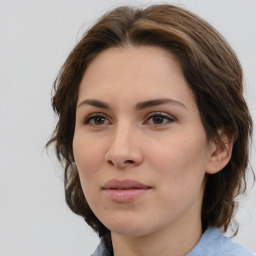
(35, 39)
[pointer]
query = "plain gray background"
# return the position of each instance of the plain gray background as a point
(35, 39)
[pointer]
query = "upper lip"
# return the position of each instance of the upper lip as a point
(124, 184)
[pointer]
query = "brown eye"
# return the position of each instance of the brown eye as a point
(159, 118)
(96, 119)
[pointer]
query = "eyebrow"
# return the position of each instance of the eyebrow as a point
(139, 105)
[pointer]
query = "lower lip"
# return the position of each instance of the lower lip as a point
(125, 195)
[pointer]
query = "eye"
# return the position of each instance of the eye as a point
(96, 119)
(159, 118)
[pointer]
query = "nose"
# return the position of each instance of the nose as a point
(124, 149)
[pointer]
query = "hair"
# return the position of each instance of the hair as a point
(213, 73)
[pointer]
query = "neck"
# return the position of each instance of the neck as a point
(171, 241)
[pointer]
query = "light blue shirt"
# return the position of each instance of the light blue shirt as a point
(212, 243)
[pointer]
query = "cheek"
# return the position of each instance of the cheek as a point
(180, 172)
(181, 161)
(88, 156)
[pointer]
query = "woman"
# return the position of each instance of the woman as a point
(153, 130)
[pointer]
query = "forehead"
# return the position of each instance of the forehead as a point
(135, 72)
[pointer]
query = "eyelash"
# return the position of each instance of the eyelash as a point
(91, 117)
(167, 117)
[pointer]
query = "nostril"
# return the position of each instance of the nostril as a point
(110, 162)
(119, 161)
(129, 161)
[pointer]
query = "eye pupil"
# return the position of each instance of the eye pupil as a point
(99, 120)
(158, 119)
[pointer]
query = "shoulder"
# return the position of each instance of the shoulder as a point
(100, 250)
(214, 243)
(104, 248)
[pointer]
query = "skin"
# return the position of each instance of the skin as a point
(168, 152)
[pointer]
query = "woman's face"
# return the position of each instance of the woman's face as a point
(139, 143)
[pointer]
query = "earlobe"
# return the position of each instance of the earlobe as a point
(220, 152)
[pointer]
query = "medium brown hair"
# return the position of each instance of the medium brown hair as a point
(213, 73)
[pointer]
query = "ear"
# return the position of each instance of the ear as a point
(220, 151)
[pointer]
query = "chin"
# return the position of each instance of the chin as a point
(132, 232)
(126, 227)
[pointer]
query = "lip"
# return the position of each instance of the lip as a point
(124, 190)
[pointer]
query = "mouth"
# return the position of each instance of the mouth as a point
(124, 191)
